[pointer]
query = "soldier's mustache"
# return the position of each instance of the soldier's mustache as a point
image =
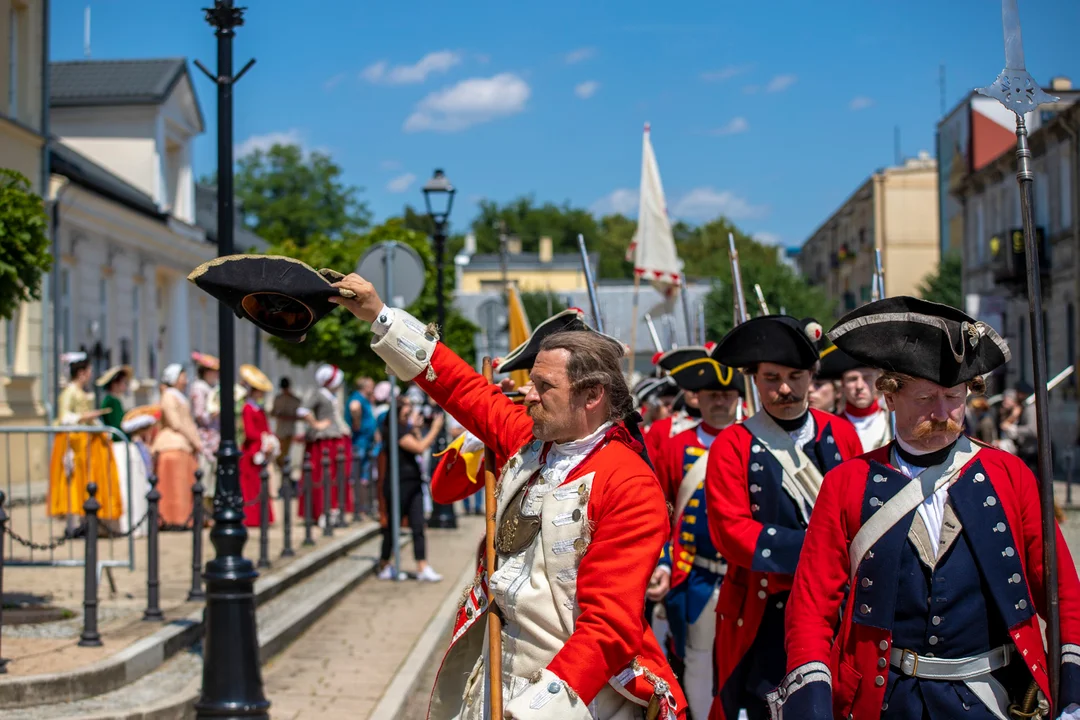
(787, 399)
(929, 427)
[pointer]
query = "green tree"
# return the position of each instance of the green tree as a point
(286, 194)
(529, 222)
(24, 243)
(340, 338)
(943, 285)
(539, 306)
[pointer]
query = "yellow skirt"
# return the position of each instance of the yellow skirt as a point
(91, 459)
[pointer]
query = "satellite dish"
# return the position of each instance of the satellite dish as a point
(396, 271)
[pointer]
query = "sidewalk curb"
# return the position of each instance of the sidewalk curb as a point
(149, 653)
(408, 675)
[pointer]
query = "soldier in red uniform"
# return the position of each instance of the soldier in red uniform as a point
(691, 569)
(685, 413)
(935, 540)
(761, 484)
(581, 522)
(862, 401)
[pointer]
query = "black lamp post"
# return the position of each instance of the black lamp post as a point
(439, 199)
(232, 679)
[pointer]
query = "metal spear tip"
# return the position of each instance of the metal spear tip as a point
(1017, 91)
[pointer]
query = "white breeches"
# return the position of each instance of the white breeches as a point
(698, 674)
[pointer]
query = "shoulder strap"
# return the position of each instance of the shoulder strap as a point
(910, 497)
(694, 476)
(802, 479)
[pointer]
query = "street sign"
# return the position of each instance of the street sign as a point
(405, 279)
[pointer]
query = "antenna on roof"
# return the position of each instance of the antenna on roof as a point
(86, 33)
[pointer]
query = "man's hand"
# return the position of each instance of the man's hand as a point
(659, 584)
(507, 385)
(366, 304)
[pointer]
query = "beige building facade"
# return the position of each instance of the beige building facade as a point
(895, 211)
(543, 271)
(22, 49)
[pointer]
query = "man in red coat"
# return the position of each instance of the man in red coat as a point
(862, 401)
(935, 541)
(761, 484)
(689, 574)
(581, 522)
(685, 413)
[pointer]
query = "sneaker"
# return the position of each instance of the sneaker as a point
(428, 575)
(387, 573)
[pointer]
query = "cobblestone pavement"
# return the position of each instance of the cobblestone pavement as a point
(339, 668)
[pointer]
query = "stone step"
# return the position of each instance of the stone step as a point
(128, 665)
(170, 691)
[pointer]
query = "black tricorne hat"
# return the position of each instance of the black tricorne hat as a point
(283, 296)
(707, 374)
(652, 387)
(679, 356)
(524, 355)
(923, 339)
(779, 339)
(835, 362)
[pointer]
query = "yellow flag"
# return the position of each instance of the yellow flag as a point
(519, 331)
(473, 460)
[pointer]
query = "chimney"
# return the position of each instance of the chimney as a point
(1060, 83)
(470, 244)
(513, 245)
(545, 250)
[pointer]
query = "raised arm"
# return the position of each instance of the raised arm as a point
(412, 351)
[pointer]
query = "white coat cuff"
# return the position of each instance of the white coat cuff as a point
(407, 346)
(549, 698)
(383, 321)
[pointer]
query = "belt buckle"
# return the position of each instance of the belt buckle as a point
(909, 662)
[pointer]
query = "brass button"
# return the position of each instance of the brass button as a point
(421, 354)
(881, 662)
(579, 544)
(879, 681)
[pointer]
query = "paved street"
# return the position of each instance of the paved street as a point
(339, 668)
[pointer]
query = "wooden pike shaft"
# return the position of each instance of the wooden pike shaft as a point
(495, 703)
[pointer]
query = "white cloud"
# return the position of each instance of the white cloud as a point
(580, 55)
(470, 102)
(861, 102)
(780, 83)
(333, 82)
(401, 183)
(768, 238)
(436, 62)
(390, 165)
(724, 73)
(733, 127)
(623, 201)
(587, 89)
(267, 141)
(705, 203)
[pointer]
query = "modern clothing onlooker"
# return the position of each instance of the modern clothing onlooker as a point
(411, 490)
(284, 412)
(325, 437)
(361, 419)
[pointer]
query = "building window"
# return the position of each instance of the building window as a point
(1065, 192)
(136, 334)
(14, 28)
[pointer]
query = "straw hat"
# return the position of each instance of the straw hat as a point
(140, 418)
(255, 378)
(205, 361)
(111, 374)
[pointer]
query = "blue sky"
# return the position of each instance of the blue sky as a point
(769, 112)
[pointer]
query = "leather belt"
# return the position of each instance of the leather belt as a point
(958, 669)
(715, 566)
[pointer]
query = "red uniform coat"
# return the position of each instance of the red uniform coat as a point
(255, 424)
(657, 434)
(1001, 513)
(630, 527)
(741, 496)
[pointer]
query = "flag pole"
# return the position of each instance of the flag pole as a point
(634, 323)
(490, 558)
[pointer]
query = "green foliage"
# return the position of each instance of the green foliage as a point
(286, 194)
(24, 243)
(343, 340)
(943, 285)
(539, 306)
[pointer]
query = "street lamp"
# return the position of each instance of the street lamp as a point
(439, 199)
(232, 679)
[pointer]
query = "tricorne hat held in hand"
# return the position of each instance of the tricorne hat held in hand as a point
(281, 295)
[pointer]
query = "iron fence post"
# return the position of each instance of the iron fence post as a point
(327, 485)
(286, 508)
(197, 492)
(153, 582)
(264, 517)
(341, 485)
(90, 636)
(309, 487)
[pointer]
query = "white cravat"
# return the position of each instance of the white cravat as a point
(704, 437)
(805, 433)
(932, 508)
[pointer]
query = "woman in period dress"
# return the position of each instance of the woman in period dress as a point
(260, 446)
(81, 458)
(176, 450)
(326, 434)
(140, 424)
(114, 382)
(205, 395)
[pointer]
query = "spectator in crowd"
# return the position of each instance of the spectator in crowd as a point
(259, 446)
(983, 426)
(411, 445)
(206, 412)
(140, 424)
(361, 419)
(176, 450)
(114, 382)
(1027, 439)
(325, 436)
(284, 412)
